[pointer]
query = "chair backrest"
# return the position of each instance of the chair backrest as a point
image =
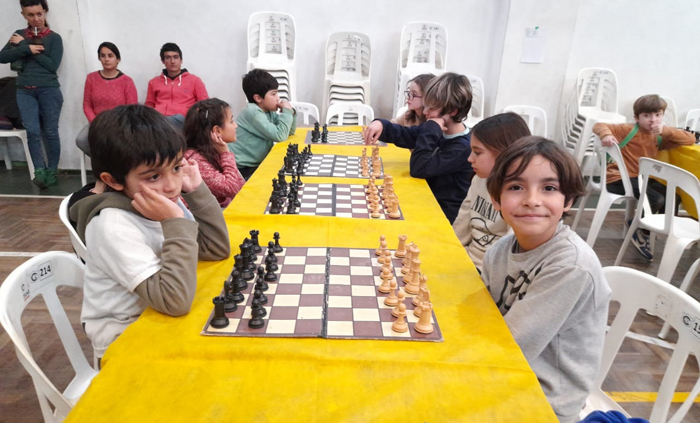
(362, 111)
(402, 111)
(597, 88)
(476, 112)
(674, 178)
(423, 46)
(670, 115)
(40, 276)
(78, 245)
(535, 117)
(636, 291)
(348, 56)
(692, 120)
(602, 154)
(306, 110)
(271, 38)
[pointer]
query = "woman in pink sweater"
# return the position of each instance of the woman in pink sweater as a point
(209, 126)
(105, 89)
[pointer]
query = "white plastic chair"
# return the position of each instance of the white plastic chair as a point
(681, 232)
(606, 198)
(476, 112)
(75, 240)
(22, 135)
(306, 110)
(272, 46)
(635, 291)
(422, 49)
(362, 111)
(692, 120)
(535, 117)
(402, 111)
(670, 115)
(41, 275)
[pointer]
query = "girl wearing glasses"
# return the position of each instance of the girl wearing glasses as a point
(414, 100)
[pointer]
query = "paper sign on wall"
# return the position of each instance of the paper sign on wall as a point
(533, 46)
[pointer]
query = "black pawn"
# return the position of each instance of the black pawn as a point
(229, 304)
(254, 239)
(275, 204)
(270, 274)
(256, 321)
(261, 298)
(219, 321)
(278, 248)
(291, 209)
(237, 274)
(270, 261)
(260, 281)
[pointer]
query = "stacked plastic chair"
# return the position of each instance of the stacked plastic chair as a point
(593, 99)
(272, 46)
(476, 112)
(423, 49)
(348, 65)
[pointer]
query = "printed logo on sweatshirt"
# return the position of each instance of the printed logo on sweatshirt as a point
(516, 288)
(479, 224)
(485, 208)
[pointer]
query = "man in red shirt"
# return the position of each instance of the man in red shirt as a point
(175, 90)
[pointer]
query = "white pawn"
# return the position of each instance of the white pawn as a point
(392, 299)
(401, 296)
(400, 324)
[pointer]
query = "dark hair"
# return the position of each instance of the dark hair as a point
(524, 149)
(651, 103)
(30, 3)
(201, 118)
(111, 47)
(422, 82)
(449, 92)
(123, 138)
(258, 81)
(500, 131)
(169, 47)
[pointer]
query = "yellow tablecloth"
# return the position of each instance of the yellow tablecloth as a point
(688, 158)
(162, 369)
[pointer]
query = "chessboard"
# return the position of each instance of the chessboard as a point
(341, 138)
(330, 165)
(339, 200)
(326, 293)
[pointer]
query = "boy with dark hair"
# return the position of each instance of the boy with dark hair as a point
(259, 124)
(643, 139)
(174, 91)
(441, 145)
(545, 280)
(142, 242)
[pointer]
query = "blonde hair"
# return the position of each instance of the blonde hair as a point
(450, 93)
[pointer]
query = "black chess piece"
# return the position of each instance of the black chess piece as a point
(255, 240)
(271, 251)
(269, 261)
(295, 198)
(237, 274)
(299, 183)
(261, 298)
(246, 271)
(229, 304)
(270, 274)
(291, 209)
(236, 295)
(275, 204)
(219, 321)
(260, 280)
(278, 248)
(256, 321)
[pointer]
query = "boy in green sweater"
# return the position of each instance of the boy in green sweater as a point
(259, 124)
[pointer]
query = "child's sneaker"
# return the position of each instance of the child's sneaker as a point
(40, 178)
(640, 239)
(51, 177)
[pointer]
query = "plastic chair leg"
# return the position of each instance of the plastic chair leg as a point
(30, 164)
(5, 153)
(689, 277)
(671, 255)
(581, 207)
(626, 242)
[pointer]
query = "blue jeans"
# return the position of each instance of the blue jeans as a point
(37, 106)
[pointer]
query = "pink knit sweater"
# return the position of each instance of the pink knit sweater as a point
(224, 185)
(104, 94)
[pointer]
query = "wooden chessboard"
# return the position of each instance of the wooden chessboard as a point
(330, 165)
(326, 293)
(340, 200)
(341, 138)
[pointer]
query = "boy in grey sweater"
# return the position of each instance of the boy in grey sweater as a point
(546, 281)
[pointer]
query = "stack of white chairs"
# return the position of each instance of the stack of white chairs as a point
(272, 46)
(348, 66)
(423, 49)
(476, 112)
(349, 114)
(692, 120)
(535, 117)
(593, 99)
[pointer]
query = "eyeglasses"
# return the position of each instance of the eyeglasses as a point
(409, 95)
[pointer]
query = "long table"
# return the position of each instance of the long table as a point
(162, 369)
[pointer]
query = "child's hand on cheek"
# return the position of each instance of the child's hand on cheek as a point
(191, 178)
(219, 143)
(657, 129)
(440, 121)
(155, 206)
